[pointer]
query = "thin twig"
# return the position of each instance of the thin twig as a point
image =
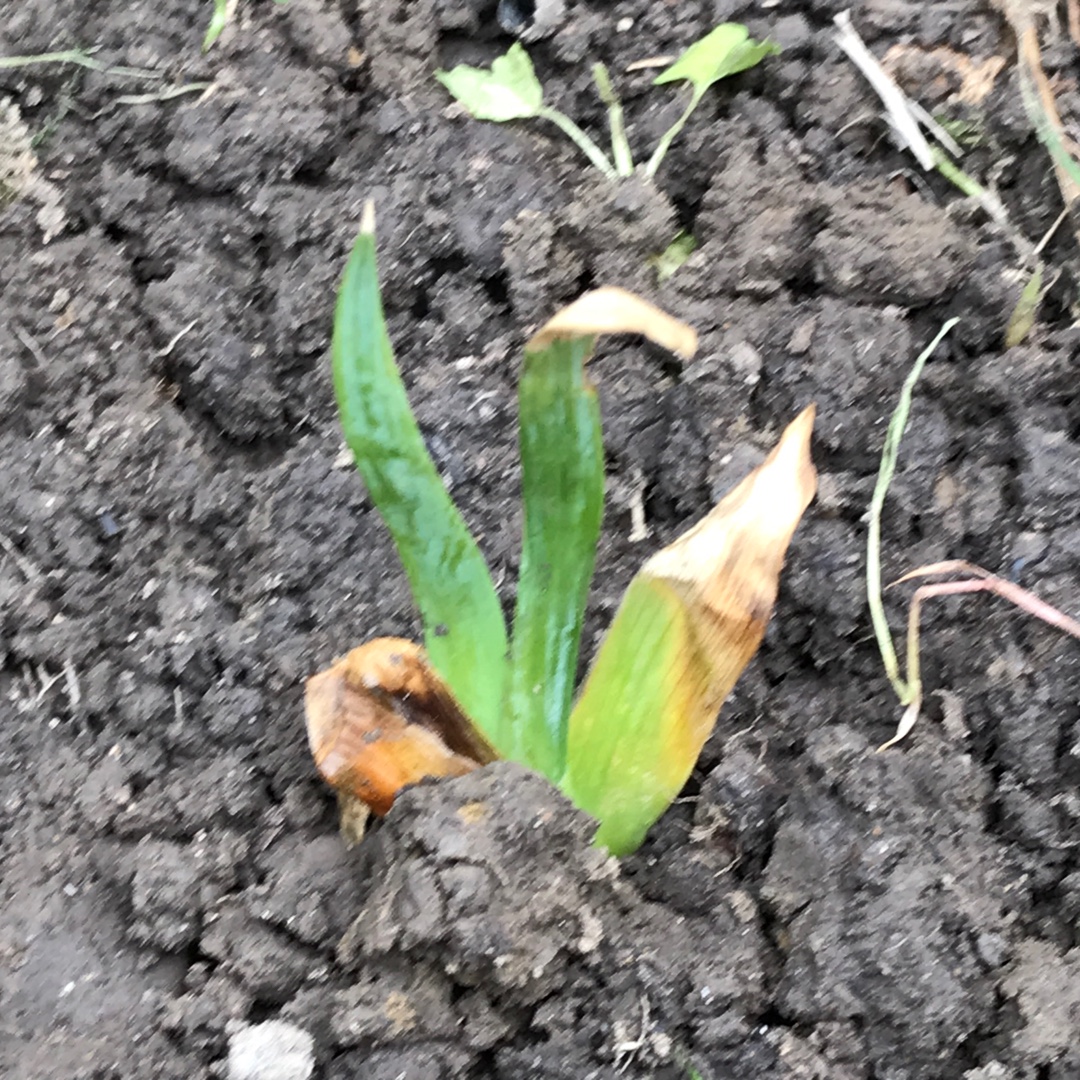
(649, 63)
(71, 682)
(174, 340)
(1020, 597)
(892, 97)
(1038, 249)
(905, 116)
(30, 571)
(932, 125)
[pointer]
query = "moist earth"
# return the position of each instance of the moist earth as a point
(183, 541)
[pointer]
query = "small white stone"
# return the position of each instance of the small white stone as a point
(624, 25)
(273, 1050)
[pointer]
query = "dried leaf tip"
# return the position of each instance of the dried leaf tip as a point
(611, 310)
(367, 218)
(754, 523)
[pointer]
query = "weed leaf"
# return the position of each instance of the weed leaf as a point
(1023, 317)
(666, 262)
(725, 51)
(510, 90)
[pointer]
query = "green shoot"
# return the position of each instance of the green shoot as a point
(725, 51)
(510, 90)
(1023, 317)
(904, 690)
(1037, 93)
(1049, 135)
(666, 262)
(218, 22)
(68, 56)
(223, 12)
(620, 146)
(562, 459)
(464, 630)
(969, 186)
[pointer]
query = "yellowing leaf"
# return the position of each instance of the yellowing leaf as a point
(687, 627)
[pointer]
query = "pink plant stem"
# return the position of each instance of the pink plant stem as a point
(987, 582)
(980, 581)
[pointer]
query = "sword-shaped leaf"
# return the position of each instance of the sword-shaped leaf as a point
(562, 460)
(464, 630)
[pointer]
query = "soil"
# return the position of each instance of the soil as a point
(182, 542)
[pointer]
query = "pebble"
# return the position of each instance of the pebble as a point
(273, 1050)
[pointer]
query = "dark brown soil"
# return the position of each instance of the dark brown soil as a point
(183, 543)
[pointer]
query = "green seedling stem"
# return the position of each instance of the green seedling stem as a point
(620, 146)
(69, 56)
(669, 136)
(904, 690)
(970, 187)
(580, 139)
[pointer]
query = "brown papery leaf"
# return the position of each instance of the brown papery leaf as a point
(381, 718)
(612, 310)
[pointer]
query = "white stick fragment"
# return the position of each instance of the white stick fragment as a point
(901, 115)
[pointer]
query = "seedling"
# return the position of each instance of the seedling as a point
(909, 690)
(223, 12)
(510, 90)
(1023, 316)
(666, 262)
(390, 713)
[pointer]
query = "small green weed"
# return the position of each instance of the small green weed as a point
(510, 90)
